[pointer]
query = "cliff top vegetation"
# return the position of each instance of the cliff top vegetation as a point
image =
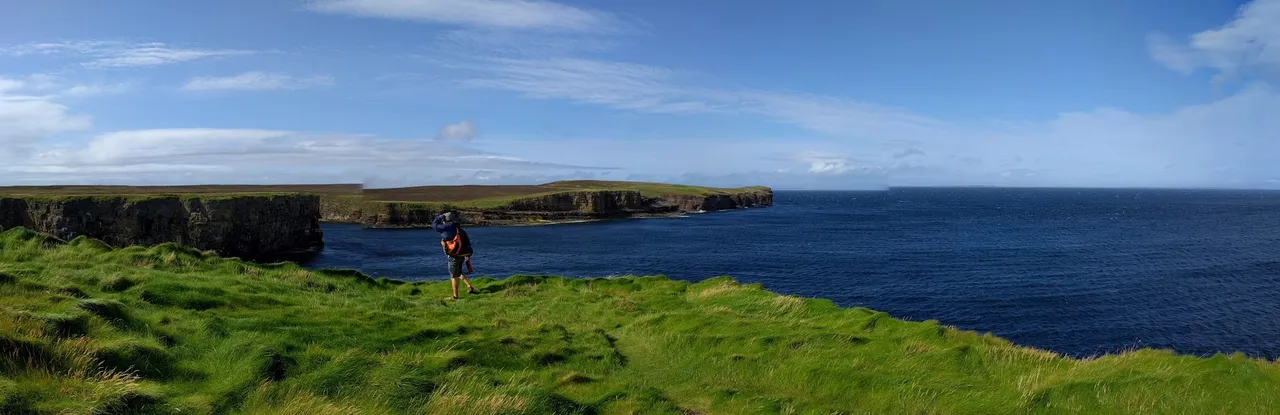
(85, 328)
(499, 194)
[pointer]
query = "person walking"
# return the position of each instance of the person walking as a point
(457, 246)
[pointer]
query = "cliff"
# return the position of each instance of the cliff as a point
(341, 208)
(563, 206)
(245, 226)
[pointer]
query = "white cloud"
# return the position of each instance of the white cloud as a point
(506, 14)
(255, 81)
(27, 119)
(462, 131)
(251, 154)
(117, 54)
(1250, 41)
(823, 163)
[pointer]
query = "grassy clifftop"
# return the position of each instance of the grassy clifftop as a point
(86, 328)
(490, 196)
(566, 201)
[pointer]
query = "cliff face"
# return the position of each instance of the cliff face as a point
(251, 227)
(586, 202)
(686, 203)
(562, 207)
(345, 209)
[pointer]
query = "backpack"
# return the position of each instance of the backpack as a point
(459, 245)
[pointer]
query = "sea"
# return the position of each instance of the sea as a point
(1077, 271)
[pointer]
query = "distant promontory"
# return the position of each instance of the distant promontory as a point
(563, 201)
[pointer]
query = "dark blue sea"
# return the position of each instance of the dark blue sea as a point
(1081, 272)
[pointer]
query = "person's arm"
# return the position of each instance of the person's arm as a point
(439, 225)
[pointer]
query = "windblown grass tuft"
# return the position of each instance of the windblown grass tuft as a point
(166, 330)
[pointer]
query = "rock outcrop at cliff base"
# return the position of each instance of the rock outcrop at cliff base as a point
(248, 226)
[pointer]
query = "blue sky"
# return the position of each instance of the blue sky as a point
(795, 95)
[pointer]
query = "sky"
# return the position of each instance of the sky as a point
(795, 95)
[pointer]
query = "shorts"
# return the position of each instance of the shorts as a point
(455, 266)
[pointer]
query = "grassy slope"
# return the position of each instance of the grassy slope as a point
(170, 330)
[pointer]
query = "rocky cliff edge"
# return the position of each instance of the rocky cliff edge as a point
(245, 226)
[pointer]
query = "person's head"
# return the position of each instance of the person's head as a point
(451, 217)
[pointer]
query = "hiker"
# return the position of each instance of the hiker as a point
(457, 246)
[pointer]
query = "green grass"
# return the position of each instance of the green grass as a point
(89, 329)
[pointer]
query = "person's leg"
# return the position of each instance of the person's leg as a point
(470, 289)
(455, 272)
(458, 261)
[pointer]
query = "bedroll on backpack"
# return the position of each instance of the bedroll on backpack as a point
(457, 246)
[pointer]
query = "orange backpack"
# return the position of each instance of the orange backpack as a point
(459, 245)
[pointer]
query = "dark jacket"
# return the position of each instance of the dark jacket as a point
(448, 230)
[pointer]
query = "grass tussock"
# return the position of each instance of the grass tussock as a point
(84, 330)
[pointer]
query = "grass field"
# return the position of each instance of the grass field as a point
(88, 329)
(496, 195)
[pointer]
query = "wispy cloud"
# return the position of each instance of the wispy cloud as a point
(244, 154)
(94, 90)
(496, 42)
(462, 131)
(617, 85)
(650, 89)
(1250, 41)
(255, 81)
(507, 14)
(119, 54)
(54, 87)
